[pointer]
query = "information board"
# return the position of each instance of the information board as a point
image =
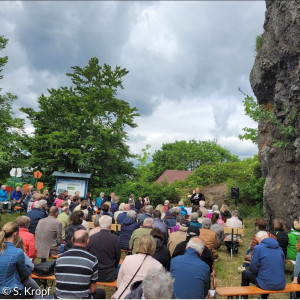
(72, 186)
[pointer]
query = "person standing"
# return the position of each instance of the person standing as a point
(76, 271)
(196, 197)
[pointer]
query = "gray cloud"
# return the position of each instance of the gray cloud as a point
(191, 56)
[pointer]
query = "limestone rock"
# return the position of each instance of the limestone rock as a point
(275, 80)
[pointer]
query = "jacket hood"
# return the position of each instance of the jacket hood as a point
(159, 244)
(128, 221)
(270, 243)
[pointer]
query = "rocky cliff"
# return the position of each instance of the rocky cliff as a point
(275, 80)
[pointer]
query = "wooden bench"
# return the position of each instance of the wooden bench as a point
(109, 284)
(233, 231)
(231, 291)
(91, 225)
(43, 278)
(19, 209)
(116, 228)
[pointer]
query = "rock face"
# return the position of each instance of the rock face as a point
(275, 80)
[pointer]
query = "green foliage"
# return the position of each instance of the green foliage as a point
(82, 128)
(251, 212)
(182, 155)
(258, 43)
(258, 113)
(12, 129)
(244, 174)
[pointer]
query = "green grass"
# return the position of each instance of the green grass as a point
(226, 268)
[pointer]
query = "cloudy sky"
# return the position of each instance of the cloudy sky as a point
(186, 60)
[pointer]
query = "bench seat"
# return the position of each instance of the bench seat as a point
(254, 290)
(110, 284)
(34, 276)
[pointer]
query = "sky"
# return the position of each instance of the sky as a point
(186, 61)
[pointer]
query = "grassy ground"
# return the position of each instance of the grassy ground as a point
(226, 268)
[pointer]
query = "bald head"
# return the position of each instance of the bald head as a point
(126, 207)
(80, 238)
(53, 211)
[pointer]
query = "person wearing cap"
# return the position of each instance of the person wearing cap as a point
(36, 214)
(178, 236)
(191, 273)
(196, 197)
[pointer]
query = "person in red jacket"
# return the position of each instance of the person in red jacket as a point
(28, 238)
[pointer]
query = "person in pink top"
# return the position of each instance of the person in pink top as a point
(59, 200)
(135, 267)
(28, 238)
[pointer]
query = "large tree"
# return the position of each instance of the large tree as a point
(11, 133)
(82, 128)
(183, 155)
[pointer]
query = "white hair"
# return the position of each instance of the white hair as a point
(148, 209)
(148, 221)
(158, 284)
(215, 207)
(194, 216)
(235, 213)
(202, 203)
(198, 246)
(131, 214)
(206, 223)
(262, 234)
(39, 204)
(121, 206)
(105, 222)
(101, 194)
(2, 186)
(166, 202)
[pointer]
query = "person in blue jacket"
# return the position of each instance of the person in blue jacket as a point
(13, 270)
(267, 265)
(191, 273)
(128, 226)
(3, 199)
(16, 198)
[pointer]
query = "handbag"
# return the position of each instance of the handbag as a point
(44, 269)
(132, 277)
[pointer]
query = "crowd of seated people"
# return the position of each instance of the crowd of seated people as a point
(162, 241)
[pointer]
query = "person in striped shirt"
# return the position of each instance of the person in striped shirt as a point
(76, 271)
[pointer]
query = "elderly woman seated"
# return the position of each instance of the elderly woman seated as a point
(135, 267)
(194, 220)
